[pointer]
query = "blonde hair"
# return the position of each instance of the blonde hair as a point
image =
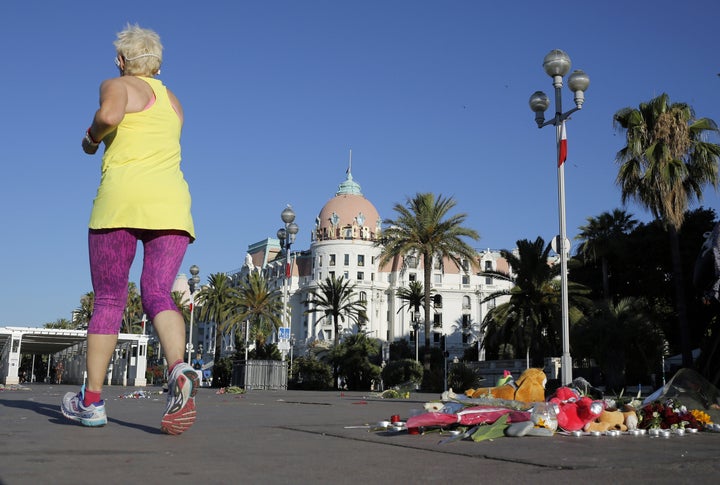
(141, 49)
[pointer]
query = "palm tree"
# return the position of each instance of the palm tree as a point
(664, 167)
(334, 298)
(260, 305)
(181, 303)
(217, 302)
(61, 323)
(356, 360)
(133, 311)
(623, 339)
(600, 238)
(413, 297)
(83, 313)
(530, 319)
(423, 226)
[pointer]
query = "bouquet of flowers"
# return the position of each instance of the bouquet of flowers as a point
(670, 415)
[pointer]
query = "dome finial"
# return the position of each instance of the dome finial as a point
(349, 186)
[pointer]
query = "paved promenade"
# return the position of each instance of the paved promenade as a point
(299, 437)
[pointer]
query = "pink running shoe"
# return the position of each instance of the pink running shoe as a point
(180, 411)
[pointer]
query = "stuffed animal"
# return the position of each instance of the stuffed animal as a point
(573, 411)
(608, 420)
(631, 418)
(530, 387)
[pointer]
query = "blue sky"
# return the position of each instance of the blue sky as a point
(429, 95)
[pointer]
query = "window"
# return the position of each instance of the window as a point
(331, 274)
(437, 279)
(412, 277)
(437, 319)
(437, 264)
(320, 261)
(488, 280)
(346, 275)
(465, 280)
(360, 275)
(346, 260)
(361, 260)
(437, 301)
(411, 261)
(466, 303)
(488, 265)
(363, 296)
(372, 276)
(465, 265)
(332, 260)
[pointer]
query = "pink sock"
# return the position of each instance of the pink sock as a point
(172, 366)
(91, 397)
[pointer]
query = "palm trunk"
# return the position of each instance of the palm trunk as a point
(336, 325)
(681, 304)
(427, 277)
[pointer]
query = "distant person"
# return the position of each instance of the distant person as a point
(59, 368)
(197, 362)
(143, 196)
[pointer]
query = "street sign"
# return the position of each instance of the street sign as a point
(283, 345)
(284, 333)
(555, 245)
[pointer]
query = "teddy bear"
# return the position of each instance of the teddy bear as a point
(608, 420)
(574, 411)
(530, 387)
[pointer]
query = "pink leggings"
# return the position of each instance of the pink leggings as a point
(111, 255)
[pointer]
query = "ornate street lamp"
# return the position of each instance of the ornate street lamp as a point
(193, 283)
(557, 65)
(286, 235)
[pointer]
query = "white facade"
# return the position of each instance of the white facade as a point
(344, 244)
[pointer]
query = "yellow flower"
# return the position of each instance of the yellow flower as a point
(701, 416)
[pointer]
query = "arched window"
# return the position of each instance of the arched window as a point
(466, 302)
(437, 301)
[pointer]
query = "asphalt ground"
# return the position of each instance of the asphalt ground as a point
(306, 437)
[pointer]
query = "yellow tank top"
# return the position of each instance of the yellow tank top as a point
(141, 184)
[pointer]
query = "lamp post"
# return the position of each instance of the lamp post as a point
(193, 282)
(286, 235)
(557, 65)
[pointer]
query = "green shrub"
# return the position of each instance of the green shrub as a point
(310, 374)
(462, 377)
(401, 372)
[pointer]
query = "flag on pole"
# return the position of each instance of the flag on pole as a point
(562, 155)
(287, 270)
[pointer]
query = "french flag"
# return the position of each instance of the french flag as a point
(563, 145)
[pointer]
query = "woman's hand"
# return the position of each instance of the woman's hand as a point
(89, 145)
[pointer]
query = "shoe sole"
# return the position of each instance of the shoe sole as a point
(178, 422)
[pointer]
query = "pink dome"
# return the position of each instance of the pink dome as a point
(348, 215)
